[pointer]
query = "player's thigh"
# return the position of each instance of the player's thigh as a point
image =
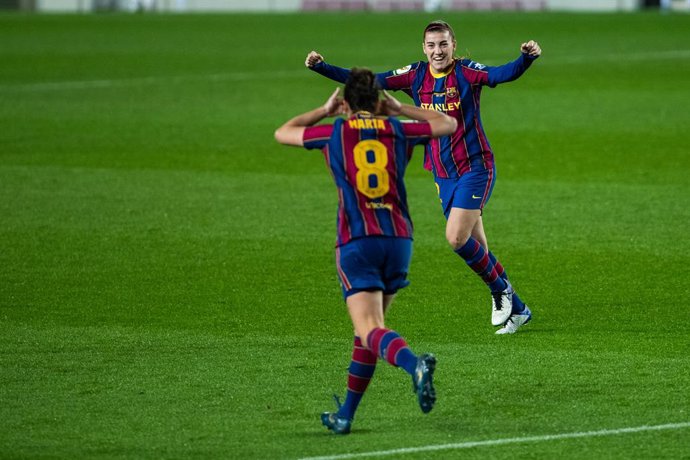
(387, 301)
(460, 224)
(366, 311)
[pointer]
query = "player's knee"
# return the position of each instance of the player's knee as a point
(456, 240)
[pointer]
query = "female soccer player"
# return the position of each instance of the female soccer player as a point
(367, 156)
(462, 163)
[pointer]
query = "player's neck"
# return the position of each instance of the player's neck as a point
(445, 72)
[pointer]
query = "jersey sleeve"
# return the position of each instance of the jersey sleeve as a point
(510, 71)
(317, 137)
(336, 73)
(474, 72)
(399, 79)
(416, 132)
(480, 74)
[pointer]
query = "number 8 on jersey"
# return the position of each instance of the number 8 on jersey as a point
(364, 153)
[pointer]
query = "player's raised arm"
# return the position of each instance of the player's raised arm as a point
(513, 70)
(315, 62)
(292, 131)
(399, 79)
(441, 124)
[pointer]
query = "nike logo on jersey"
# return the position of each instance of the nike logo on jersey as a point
(476, 197)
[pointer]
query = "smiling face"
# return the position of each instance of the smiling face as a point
(439, 47)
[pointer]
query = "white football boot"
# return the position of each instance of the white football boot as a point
(501, 305)
(515, 322)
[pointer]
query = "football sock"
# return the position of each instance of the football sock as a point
(360, 372)
(518, 304)
(478, 259)
(500, 271)
(388, 345)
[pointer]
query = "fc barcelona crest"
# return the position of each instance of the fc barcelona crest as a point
(451, 92)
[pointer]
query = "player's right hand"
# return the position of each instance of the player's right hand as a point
(532, 48)
(313, 58)
(389, 105)
(334, 104)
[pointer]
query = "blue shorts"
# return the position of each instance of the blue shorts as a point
(472, 190)
(373, 263)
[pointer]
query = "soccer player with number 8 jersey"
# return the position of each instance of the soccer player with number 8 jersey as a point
(462, 162)
(367, 155)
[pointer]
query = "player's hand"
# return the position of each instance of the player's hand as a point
(334, 104)
(313, 58)
(531, 48)
(389, 106)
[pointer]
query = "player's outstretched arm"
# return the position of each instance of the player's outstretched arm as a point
(292, 131)
(315, 62)
(441, 124)
(529, 51)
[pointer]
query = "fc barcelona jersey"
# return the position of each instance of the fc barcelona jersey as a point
(455, 93)
(367, 157)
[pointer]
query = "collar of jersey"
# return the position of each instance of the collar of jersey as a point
(363, 113)
(442, 74)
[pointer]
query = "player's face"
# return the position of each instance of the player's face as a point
(439, 48)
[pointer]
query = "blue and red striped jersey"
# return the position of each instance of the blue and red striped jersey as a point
(456, 93)
(367, 157)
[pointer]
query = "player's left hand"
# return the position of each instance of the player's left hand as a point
(531, 48)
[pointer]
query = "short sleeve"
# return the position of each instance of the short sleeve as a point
(317, 137)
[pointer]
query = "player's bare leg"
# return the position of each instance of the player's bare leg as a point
(479, 234)
(460, 226)
(366, 311)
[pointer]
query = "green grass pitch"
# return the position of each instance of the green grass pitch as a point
(167, 280)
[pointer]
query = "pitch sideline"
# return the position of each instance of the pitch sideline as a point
(497, 442)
